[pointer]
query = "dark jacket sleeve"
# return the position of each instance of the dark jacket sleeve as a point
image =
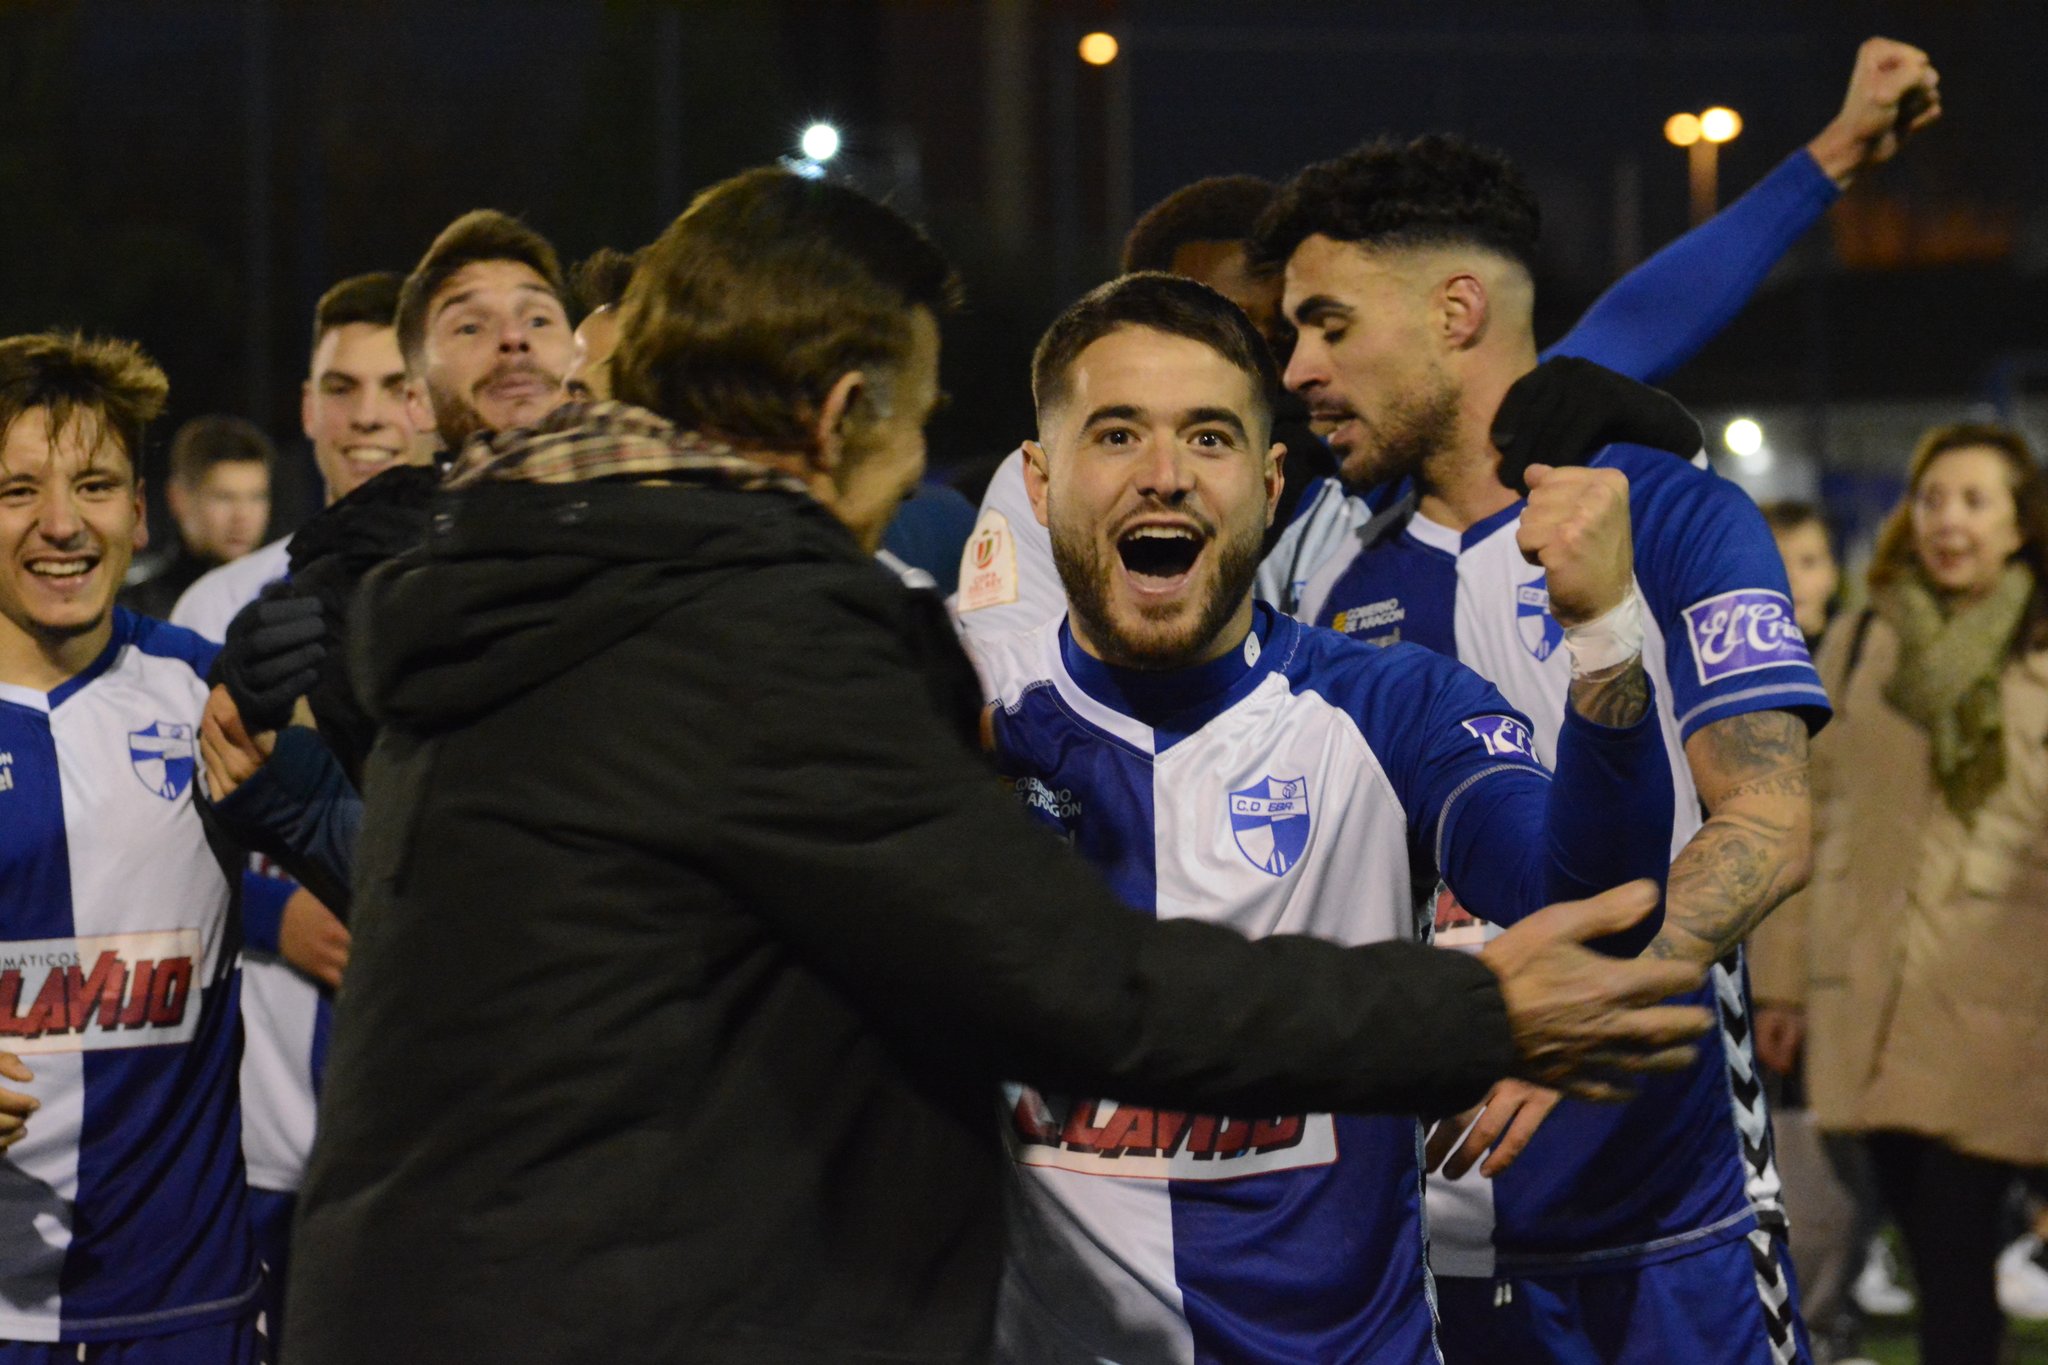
(301, 811)
(850, 814)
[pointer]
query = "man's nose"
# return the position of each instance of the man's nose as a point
(57, 519)
(1304, 367)
(513, 337)
(1165, 470)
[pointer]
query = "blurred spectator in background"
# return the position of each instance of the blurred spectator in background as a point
(1810, 567)
(1917, 953)
(1846, 1270)
(219, 496)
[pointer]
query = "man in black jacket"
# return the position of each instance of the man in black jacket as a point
(692, 934)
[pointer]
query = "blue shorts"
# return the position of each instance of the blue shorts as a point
(223, 1343)
(270, 1221)
(1723, 1305)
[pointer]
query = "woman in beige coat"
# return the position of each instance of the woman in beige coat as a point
(1920, 950)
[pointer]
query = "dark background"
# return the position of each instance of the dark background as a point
(194, 173)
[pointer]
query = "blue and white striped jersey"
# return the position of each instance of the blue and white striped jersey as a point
(1687, 1164)
(1301, 784)
(123, 1205)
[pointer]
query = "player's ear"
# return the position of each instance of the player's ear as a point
(1035, 479)
(418, 406)
(828, 431)
(142, 511)
(1463, 309)
(1276, 479)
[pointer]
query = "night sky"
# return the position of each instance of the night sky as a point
(194, 174)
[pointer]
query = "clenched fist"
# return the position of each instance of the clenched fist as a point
(1894, 92)
(1576, 526)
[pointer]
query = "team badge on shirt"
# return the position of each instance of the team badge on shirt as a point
(988, 564)
(1742, 631)
(1540, 632)
(162, 756)
(1502, 736)
(1269, 819)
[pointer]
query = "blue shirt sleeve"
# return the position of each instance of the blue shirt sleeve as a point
(1506, 837)
(300, 809)
(263, 899)
(1659, 315)
(1715, 586)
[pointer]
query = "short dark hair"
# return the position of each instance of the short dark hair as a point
(67, 374)
(1787, 515)
(1166, 303)
(217, 439)
(371, 298)
(1223, 208)
(1436, 190)
(599, 280)
(766, 290)
(479, 235)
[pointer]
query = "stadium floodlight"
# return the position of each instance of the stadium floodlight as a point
(819, 143)
(1720, 124)
(1099, 49)
(1744, 437)
(1682, 130)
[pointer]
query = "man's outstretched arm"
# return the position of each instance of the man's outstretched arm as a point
(1659, 315)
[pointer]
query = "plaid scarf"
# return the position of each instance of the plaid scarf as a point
(582, 441)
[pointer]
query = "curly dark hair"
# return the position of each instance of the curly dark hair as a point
(1223, 208)
(1436, 190)
(599, 280)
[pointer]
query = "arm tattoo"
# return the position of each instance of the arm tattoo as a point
(1615, 697)
(1754, 849)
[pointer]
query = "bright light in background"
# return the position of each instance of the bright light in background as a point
(1099, 49)
(1720, 124)
(1682, 130)
(1744, 437)
(820, 142)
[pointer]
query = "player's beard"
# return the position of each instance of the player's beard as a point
(1414, 426)
(1087, 568)
(456, 415)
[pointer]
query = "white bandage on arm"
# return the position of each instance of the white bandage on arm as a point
(1610, 640)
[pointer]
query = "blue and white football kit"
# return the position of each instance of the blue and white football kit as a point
(1299, 784)
(123, 1204)
(1686, 1168)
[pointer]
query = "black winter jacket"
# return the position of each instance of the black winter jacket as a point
(693, 936)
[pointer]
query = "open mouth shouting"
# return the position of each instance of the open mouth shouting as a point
(1159, 557)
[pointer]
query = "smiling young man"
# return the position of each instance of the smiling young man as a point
(125, 1223)
(1221, 762)
(1653, 1228)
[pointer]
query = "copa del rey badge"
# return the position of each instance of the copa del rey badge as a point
(1269, 819)
(161, 754)
(988, 566)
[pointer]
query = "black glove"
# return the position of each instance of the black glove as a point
(272, 655)
(1565, 410)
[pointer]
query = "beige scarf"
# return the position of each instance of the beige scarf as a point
(1950, 659)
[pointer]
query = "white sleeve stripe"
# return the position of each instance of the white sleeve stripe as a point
(1787, 690)
(1443, 816)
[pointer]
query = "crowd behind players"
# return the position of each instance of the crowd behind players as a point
(1909, 949)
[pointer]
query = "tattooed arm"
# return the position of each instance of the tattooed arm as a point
(1616, 696)
(1756, 847)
